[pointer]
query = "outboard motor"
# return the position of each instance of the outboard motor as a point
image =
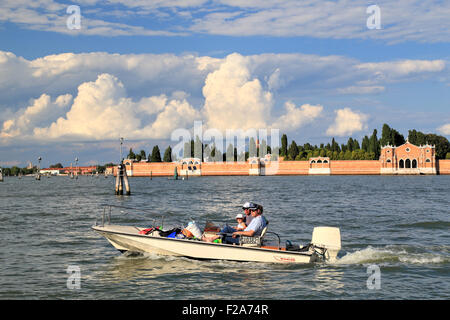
(328, 241)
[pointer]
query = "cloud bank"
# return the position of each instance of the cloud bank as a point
(99, 96)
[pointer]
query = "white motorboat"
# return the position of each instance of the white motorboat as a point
(325, 245)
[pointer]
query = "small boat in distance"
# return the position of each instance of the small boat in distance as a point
(324, 246)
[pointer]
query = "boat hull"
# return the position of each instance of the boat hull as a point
(125, 238)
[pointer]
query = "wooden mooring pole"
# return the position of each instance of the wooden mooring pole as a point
(122, 180)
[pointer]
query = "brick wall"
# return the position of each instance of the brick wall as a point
(225, 168)
(355, 166)
(443, 166)
(338, 167)
(292, 167)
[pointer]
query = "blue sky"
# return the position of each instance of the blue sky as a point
(144, 68)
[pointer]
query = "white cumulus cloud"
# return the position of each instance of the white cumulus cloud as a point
(294, 117)
(347, 122)
(445, 129)
(100, 111)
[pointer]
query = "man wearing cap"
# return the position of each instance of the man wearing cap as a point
(253, 229)
(246, 207)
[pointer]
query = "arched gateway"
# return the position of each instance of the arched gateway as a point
(408, 159)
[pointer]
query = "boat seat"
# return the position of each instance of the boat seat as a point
(255, 241)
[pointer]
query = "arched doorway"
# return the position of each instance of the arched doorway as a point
(408, 164)
(414, 164)
(401, 164)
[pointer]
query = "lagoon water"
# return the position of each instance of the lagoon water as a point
(397, 224)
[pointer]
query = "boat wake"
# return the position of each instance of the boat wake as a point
(397, 255)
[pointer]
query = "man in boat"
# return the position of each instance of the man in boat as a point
(246, 207)
(253, 229)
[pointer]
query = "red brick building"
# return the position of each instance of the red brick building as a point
(408, 159)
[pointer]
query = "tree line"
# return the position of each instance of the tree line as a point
(154, 156)
(205, 152)
(368, 149)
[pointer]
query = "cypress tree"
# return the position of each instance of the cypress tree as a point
(293, 151)
(374, 144)
(284, 147)
(131, 154)
(252, 152)
(230, 153)
(168, 155)
(350, 144)
(386, 136)
(156, 154)
(365, 144)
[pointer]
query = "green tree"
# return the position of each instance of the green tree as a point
(365, 144)
(143, 155)
(347, 155)
(156, 154)
(374, 144)
(168, 155)
(322, 153)
(263, 150)
(356, 145)
(386, 135)
(284, 146)
(198, 148)
(252, 152)
(131, 154)
(350, 144)
(187, 150)
(56, 166)
(335, 146)
(293, 150)
(442, 145)
(397, 138)
(230, 153)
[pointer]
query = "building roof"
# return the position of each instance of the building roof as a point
(407, 142)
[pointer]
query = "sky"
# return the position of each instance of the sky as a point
(75, 76)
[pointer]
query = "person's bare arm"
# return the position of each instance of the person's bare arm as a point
(249, 233)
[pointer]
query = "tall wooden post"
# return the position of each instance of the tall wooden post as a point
(125, 180)
(122, 180)
(38, 174)
(122, 177)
